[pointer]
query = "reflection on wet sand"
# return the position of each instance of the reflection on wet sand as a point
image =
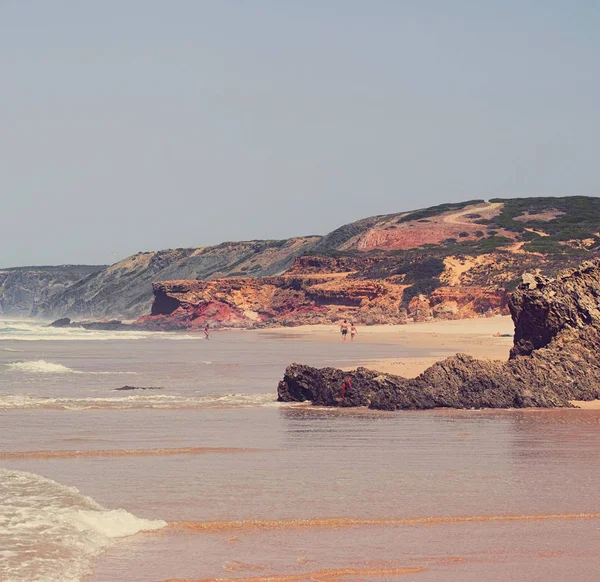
(335, 522)
(325, 575)
(122, 452)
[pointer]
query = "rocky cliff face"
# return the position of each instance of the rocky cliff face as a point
(283, 300)
(450, 261)
(23, 289)
(308, 294)
(555, 359)
(125, 288)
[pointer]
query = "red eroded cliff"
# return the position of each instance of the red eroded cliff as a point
(323, 298)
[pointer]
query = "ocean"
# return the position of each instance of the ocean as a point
(204, 476)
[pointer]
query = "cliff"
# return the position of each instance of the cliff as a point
(555, 359)
(22, 289)
(450, 261)
(283, 300)
(125, 288)
(300, 300)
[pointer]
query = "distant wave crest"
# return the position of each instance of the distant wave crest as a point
(37, 331)
(44, 367)
(40, 367)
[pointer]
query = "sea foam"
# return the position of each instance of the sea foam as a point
(37, 331)
(44, 367)
(50, 532)
(40, 367)
(161, 401)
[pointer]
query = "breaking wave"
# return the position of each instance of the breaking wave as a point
(51, 532)
(40, 367)
(43, 367)
(36, 331)
(161, 401)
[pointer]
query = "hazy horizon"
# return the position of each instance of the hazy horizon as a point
(141, 125)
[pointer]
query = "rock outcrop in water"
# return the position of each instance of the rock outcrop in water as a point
(555, 359)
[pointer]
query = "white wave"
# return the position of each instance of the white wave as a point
(40, 367)
(37, 331)
(44, 367)
(9, 350)
(51, 532)
(161, 401)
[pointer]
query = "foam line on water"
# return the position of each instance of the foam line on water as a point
(69, 454)
(337, 522)
(324, 575)
(159, 401)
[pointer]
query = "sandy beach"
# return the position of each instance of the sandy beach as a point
(482, 338)
(485, 338)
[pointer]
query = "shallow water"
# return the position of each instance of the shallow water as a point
(254, 490)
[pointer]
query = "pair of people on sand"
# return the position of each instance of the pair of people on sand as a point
(345, 327)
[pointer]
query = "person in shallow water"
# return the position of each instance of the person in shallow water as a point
(344, 330)
(353, 331)
(206, 332)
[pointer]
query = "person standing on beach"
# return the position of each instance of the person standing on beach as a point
(353, 331)
(206, 332)
(344, 330)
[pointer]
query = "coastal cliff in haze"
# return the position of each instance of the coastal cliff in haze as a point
(23, 289)
(449, 261)
(125, 288)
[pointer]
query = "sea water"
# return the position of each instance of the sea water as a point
(205, 476)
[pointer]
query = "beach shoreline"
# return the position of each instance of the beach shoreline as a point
(485, 338)
(488, 338)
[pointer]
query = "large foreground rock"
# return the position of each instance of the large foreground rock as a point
(555, 359)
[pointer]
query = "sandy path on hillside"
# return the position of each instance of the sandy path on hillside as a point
(455, 218)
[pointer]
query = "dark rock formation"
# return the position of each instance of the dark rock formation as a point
(106, 325)
(555, 359)
(543, 307)
(111, 325)
(62, 322)
(139, 388)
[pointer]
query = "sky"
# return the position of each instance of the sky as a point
(137, 125)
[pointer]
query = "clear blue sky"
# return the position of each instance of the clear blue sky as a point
(130, 125)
